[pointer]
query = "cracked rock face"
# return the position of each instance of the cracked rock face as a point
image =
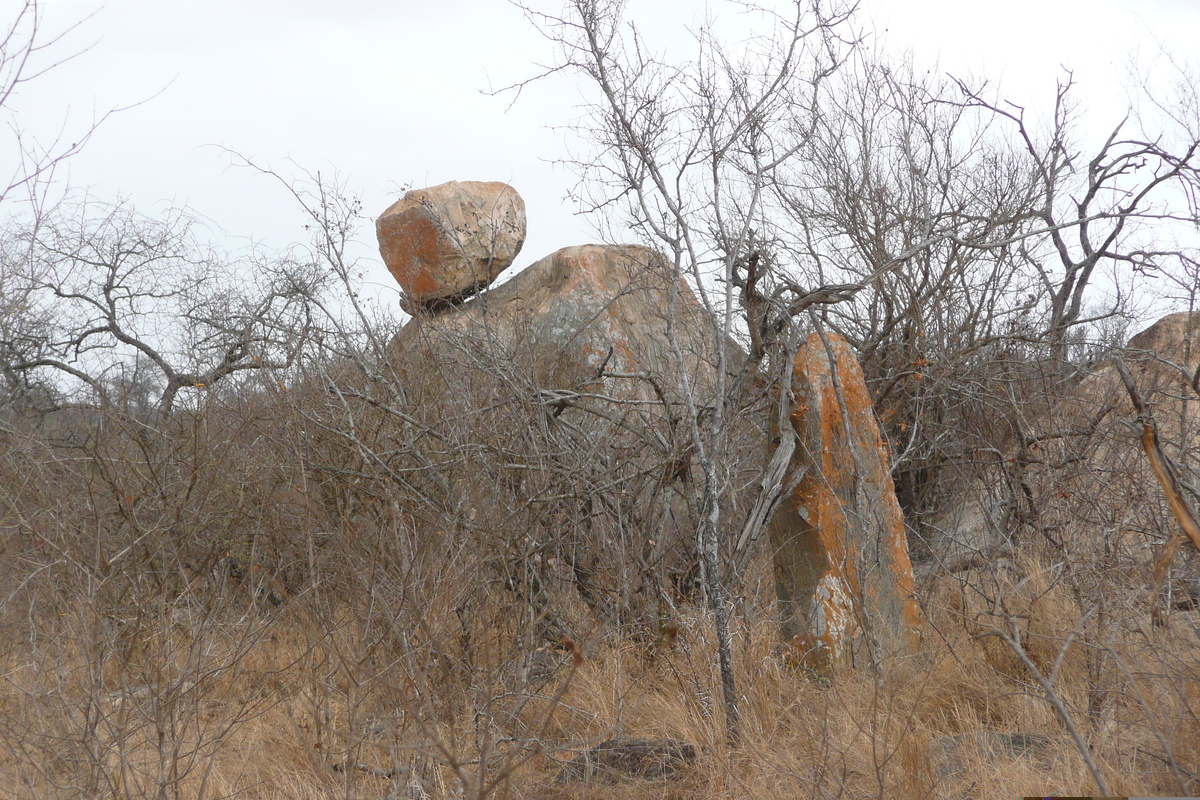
(842, 569)
(449, 241)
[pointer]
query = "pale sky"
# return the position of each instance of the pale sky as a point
(390, 92)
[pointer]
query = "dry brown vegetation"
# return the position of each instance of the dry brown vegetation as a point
(300, 592)
(253, 546)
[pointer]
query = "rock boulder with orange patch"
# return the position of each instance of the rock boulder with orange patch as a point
(842, 571)
(575, 349)
(575, 314)
(1175, 337)
(450, 241)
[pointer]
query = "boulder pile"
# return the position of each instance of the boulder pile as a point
(585, 333)
(568, 364)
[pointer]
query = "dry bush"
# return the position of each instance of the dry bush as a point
(338, 589)
(445, 571)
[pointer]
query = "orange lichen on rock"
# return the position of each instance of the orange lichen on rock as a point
(451, 240)
(585, 332)
(583, 311)
(842, 571)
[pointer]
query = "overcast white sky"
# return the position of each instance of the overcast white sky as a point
(388, 92)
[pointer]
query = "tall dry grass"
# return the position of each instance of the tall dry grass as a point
(262, 702)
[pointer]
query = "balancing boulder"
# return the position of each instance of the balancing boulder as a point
(447, 242)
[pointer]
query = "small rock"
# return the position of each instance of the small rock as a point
(948, 750)
(628, 757)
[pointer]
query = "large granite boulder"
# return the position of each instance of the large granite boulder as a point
(1174, 338)
(841, 557)
(594, 313)
(1092, 472)
(449, 241)
(563, 387)
(1078, 475)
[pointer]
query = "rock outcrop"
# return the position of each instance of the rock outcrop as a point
(1081, 466)
(1175, 337)
(568, 371)
(1119, 481)
(575, 312)
(841, 558)
(449, 241)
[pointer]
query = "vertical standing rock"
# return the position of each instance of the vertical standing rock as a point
(842, 571)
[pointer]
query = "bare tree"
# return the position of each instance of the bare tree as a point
(101, 289)
(688, 153)
(919, 205)
(27, 52)
(1109, 206)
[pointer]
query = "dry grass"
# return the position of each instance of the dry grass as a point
(278, 703)
(257, 603)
